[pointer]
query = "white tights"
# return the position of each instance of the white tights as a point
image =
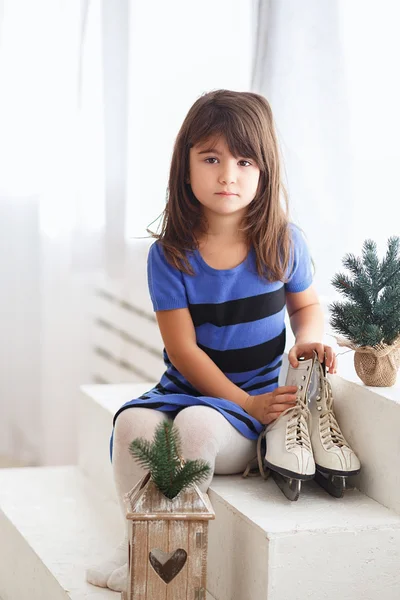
(205, 434)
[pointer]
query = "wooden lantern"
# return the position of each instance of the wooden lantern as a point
(168, 543)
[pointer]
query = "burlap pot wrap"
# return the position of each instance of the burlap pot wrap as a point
(375, 365)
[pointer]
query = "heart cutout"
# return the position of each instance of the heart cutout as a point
(167, 564)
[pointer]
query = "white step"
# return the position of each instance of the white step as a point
(96, 409)
(263, 546)
(370, 421)
(266, 547)
(53, 524)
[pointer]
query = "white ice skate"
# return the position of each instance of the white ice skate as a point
(289, 453)
(334, 459)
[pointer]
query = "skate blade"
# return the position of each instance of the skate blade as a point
(335, 485)
(336, 472)
(288, 485)
(286, 473)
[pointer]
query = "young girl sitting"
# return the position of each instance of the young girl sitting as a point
(225, 267)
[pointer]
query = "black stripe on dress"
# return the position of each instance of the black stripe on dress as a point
(261, 373)
(242, 418)
(260, 384)
(150, 405)
(243, 310)
(250, 358)
(161, 389)
(185, 388)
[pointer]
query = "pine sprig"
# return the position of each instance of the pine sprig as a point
(143, 452)
(390, 265)
(162, 457)
(371, 262)
(371, 313)
(193, 471)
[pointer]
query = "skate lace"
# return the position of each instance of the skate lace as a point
(330, 430)
(297, 434)
(297, 427)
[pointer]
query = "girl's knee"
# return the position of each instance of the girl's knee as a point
(137, 422)
(200, 429)
(202, 419)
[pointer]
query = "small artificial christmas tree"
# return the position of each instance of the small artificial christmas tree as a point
(162, 457)
(370, 318)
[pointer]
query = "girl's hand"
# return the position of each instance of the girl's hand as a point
(306, 350)
(267, 407)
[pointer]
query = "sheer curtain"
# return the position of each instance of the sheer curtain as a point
(329, 69)
(52, 218)
(92, 95)
(189, 49)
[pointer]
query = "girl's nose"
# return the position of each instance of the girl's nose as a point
(227, 176)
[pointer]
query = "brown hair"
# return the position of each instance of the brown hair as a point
(245, 121)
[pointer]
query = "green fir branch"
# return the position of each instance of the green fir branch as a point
(142, 450)
(371, 313)
(390, 266)
(162, 457)
(193, 471)
(371, 263)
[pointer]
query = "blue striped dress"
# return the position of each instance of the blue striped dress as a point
(239, 320)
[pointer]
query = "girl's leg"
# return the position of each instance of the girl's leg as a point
(130, 424)
(206, 434)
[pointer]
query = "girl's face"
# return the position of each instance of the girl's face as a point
(213, 170)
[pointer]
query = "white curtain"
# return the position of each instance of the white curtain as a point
(52, 214)
(178, 51)
(92, 94)
(329, 69)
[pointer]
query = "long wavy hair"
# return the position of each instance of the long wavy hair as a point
(245, 121)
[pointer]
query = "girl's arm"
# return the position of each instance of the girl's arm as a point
(306, 316)
(307, 323)
(179, 337)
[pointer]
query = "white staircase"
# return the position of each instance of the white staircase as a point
(55, 521)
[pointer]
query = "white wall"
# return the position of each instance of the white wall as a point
(179, 50)
(332, 78)
(20, 329)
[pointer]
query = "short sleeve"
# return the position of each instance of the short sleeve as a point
(301, 276)
(166, 285)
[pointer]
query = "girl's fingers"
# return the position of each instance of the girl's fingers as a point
(271, 417)
(333, 369)
(320, 350)
(283, 405)
(330, 357)
(286, 398)
(331, 360)
(285, 389)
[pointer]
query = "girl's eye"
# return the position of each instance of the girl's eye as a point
(213, 158)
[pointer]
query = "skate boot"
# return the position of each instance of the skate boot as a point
(334, 459)
(284, 448)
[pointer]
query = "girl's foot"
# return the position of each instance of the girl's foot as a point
(118, 578)
(100, 574)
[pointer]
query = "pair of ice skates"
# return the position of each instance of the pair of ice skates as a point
(305, 442)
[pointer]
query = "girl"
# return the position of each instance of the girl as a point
(225, 267)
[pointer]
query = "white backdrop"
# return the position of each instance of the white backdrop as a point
(330, 70)
(72, 99)
(206, 45)
(51, 220)
(92, 95)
